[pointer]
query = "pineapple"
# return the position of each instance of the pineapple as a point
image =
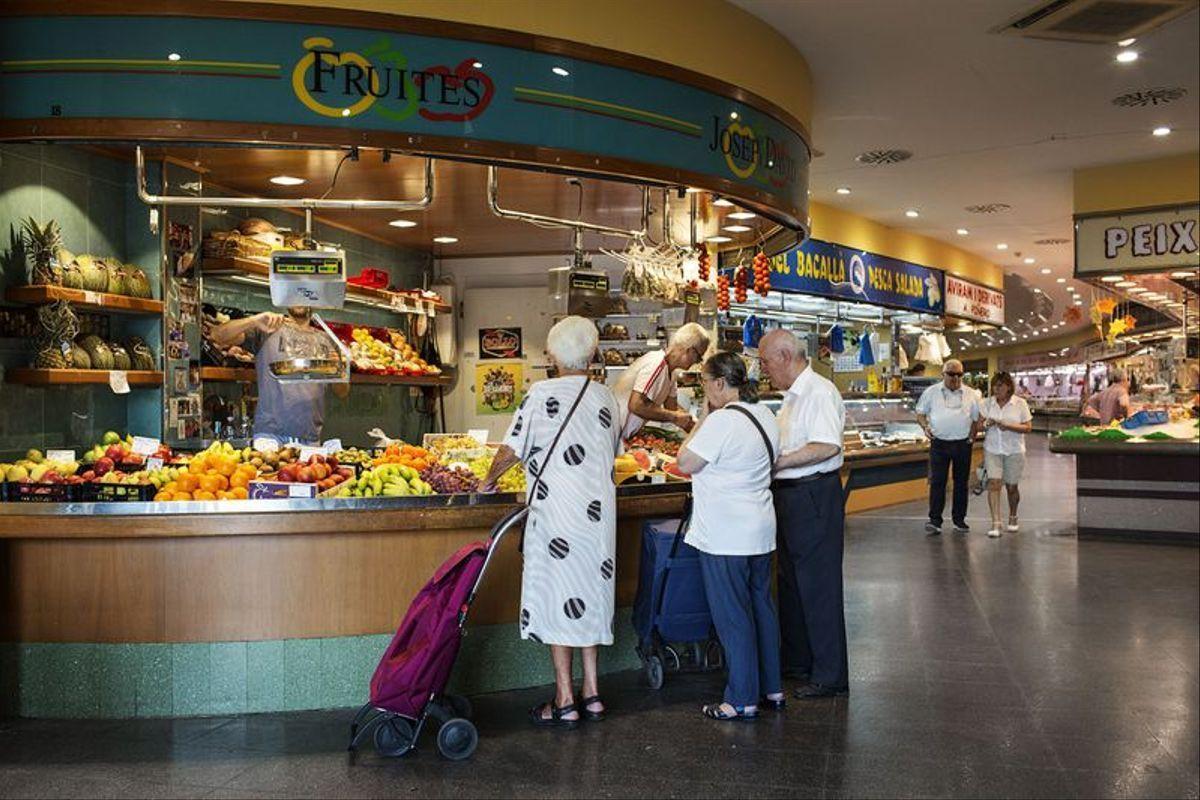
(41, 245)
(50, 358)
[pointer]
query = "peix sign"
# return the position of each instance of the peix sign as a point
(1139, 241)
(973, 301)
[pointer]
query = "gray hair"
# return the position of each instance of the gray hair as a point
(1118, 375)
(692, 335)
(572, 342)
(952, 362)
(787, 342)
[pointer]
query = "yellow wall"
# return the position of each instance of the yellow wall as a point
(1139, 184)
(707, 36)
(995, 354)
(842, 227)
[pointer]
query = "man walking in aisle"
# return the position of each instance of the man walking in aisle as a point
(949, 414)
(810, 520)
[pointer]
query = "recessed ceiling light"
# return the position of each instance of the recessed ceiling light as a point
(1078, 301)
(173, 57)
(1045, 330)
(286, 180)
(1112, 278)
(1136, 290)
(718, 239)
(345, 112)
(733, 115)
(477, 64)
(1182, 273)
(1126, 42)
(741, 215)
(1002, 246)
(1060, 280)
(1021, 320)
(1070, 289)
(402, 223)
(1127, 56)
(962, 231)
(1037, 290)
(1125, 284)
(444, 240)
(843, 190)
(912, 212)
(736, 228)
(693, 190)
(1162, 130)
(722, 202)
(559, 71)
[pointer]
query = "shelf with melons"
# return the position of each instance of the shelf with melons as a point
(41, 294)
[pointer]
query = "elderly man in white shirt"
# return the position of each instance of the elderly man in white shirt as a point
(949, 414)
(810, 520)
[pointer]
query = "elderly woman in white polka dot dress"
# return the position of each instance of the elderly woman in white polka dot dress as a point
(567, 432)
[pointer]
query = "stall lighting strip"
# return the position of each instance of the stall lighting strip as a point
(525, 94)
(233, 69)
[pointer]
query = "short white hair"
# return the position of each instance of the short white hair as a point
(1118, 375)
(787, 342)
(572, 342)
(691, 335)
(952, 362)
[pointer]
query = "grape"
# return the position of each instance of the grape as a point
(448, 480)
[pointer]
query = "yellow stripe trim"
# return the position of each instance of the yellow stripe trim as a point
(603, 104)
(139, 61)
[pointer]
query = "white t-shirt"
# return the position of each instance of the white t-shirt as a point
(1014, 412)
(733, 513)
(950, 412)
(651, 376)
(812, 411)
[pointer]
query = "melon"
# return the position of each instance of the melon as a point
(136, 281)
(72, 276)
(120, 356)
(140, 353)
(95, 276)
(79, 357)
(116, 278)
(97, 350)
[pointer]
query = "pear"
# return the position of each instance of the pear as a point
(38, 472)
(35, 456)
(16, 473)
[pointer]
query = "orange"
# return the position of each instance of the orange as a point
(183, 495)
(170, 486)
(239, 479)
(226, 466)
(208, 482)
(203, 495)
(189, 482)
(163, 496)
(222, 495)
(240, 492)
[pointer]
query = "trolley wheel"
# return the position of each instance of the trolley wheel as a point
(673, 661)
(394, 737)
(457, 739)
(654, 671)
(460, 705)
(714, 656)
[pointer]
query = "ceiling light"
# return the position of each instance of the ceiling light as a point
(843, 190)
(1002, 246)
(741, 215)
(402, 223)
(477, 64)
(286, 180)
(736, 228)
(722, 202)
(174, 57)
(1045, 330)
(718, 239)
(693, 190)
(962, 231)
(559, 71)
(1037, 290)
(1044, 270)
(1078, 301)
(1021, 320)
(1136, 290)
(1182, 273)
(1126, 42)
(1112, 278)
(444, 240)
(1060, 280)
(1125, 284)
(345, 112)
(912, 213)
(1161, 130)
(1127, 56)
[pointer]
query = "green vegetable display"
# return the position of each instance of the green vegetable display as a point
(1076, 434)
(1112, 435)
(1157, 436)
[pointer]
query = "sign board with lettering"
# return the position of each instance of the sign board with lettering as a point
(499, 343)
(973, 301)
(1141, 241)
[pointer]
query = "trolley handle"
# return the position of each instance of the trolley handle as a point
(502, 527)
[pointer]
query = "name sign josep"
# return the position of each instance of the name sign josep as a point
(1144, 241)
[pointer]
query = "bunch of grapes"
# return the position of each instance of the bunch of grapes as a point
(740, 282)
(702, 260)
(513, 480)
(722, 292)
(762, 273)
(450, 480)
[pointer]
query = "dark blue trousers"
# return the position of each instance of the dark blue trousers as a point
(739, 597)
(810, 528)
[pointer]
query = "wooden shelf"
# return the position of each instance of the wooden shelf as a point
(397, 301)
(103, 301)
(249, 375)
(64, 377)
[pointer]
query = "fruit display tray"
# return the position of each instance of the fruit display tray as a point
(13, 492)
(114, 493)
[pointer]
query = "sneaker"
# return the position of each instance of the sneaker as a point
(962, 527)
(933, 529)
(994, 533)
(1013, 525)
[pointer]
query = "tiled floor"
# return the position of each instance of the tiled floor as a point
(1032, 666)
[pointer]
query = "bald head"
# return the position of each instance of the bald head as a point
(952, 374)
(783, 357)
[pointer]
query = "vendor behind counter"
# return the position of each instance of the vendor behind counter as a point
(646, 391)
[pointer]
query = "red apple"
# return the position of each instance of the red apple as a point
(90, 475)
(304, 475)
(114, 452)
(284, 477)
(103, 466)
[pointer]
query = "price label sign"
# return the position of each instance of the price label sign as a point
(93, 298)
(331, 446)
(145, 446)
(265, 444)
(118, 381)
(308, 451)
(153, 464)
(480, 435)
(61, 456)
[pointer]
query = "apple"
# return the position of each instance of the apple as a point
(103, 466)
(304, 475)
(90, 475)
(345, 472)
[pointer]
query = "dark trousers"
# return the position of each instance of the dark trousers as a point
(810, 520)
(943, 456)
(739, 597)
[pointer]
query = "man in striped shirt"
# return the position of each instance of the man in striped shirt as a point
(646, 391)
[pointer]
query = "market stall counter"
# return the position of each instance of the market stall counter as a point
(172, 609)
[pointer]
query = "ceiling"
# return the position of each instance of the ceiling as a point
(988, 118)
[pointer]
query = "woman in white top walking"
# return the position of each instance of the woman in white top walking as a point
(730, 456)
(1006, 419)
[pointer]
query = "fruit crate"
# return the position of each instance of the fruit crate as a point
(116, 492)
(40, 492)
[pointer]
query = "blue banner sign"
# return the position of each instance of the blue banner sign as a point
(142, 68)
(831, 270)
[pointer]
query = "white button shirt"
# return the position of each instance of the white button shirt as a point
(1014, 412)
(812, 411)
(950, 413)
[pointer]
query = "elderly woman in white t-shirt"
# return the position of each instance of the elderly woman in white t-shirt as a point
(729, 456)
(1007, 420)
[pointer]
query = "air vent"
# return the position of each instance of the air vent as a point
(1159, 96)
(1100, 21)
(1052, 241)
(878, 158)
(988, 208)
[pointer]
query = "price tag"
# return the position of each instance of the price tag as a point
(118, 381)
(93, 298)
(145, 446)
(308, 451)
(153, 464)
(66, 349)
(61, 456)
(265, 444)
(301, 489)
(332, 446)
(480, 435)
(658, 478)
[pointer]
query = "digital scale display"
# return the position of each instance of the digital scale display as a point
(284, 265)
(311, 278)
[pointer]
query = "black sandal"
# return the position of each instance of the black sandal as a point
(739, 714)
(555, 720)
(592, 716)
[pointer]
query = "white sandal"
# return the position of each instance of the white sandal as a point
(1013, 525)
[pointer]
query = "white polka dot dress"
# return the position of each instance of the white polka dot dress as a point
(567, 587)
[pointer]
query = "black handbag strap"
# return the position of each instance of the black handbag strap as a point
(554, 443)
(766, 439)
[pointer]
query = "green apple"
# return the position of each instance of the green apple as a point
(38, 472)
(110, 437)
(35, 456)
(16, 473)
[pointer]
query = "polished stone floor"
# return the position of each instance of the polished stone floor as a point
(1031, 666)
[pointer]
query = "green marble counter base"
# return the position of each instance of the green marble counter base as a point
(120, 681)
